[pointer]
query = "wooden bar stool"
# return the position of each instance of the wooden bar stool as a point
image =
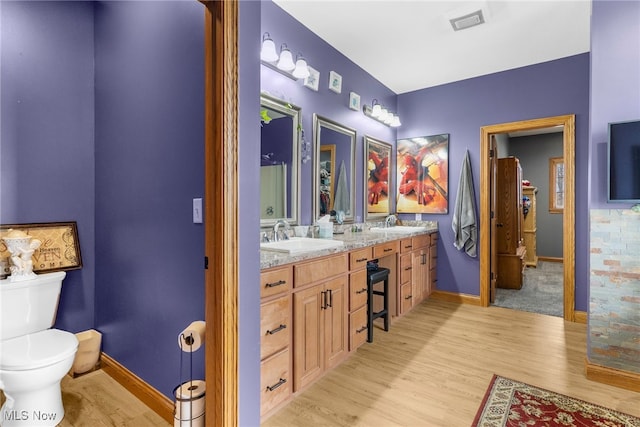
(374, 276)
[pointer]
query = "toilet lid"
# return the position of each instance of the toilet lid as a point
(37, 350)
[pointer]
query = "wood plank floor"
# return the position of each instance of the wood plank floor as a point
(434, 365)
(97, 400)
(431, 369)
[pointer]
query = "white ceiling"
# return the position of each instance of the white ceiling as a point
(410, 45)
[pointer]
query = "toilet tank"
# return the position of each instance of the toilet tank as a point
(29, 306)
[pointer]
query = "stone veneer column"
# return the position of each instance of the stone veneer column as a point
(614, 300)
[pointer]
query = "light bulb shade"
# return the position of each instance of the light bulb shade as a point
(268, 52)
(286, 59)
(376, 110)
(302, 70)
(388, 119)
(396, 121)
(383, 114)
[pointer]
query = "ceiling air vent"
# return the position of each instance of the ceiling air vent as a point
(467, 21)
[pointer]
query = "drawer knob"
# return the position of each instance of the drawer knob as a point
(362, 329)
(274, 284)
(276, 330)
(361, 291)
(362, 259)
(387, 249)
(276, 385)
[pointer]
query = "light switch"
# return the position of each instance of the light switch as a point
(197, 211)
(418, 217)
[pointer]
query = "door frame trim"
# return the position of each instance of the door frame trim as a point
(221, 212)
(568, 214)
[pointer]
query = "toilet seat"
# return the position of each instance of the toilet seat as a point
(37, 350)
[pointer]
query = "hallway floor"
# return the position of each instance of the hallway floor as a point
(542, 291)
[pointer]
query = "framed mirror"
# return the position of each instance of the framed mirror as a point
(333, 169)
(279, 161)
(377, 178)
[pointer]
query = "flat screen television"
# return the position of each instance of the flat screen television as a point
(623, 162)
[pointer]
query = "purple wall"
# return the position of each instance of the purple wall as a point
(285, 29)
(615, 85)
(46, 150)
(149, 165)
(462, 108)
(248, 195)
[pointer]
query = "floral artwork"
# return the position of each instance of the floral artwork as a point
(377, 163)
(422, 174)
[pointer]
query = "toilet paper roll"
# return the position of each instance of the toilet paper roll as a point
(192, 337)
(189, 409)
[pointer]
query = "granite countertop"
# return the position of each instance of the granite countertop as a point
(352, 240)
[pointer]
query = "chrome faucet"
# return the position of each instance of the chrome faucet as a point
(276, 230)
(390, 221)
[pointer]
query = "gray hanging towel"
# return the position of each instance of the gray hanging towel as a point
(341, 202)
(464, 215)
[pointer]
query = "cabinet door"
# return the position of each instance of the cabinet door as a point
(406, 299)
(308, 362)
(426, 279)
(417, 273)
(336, 330)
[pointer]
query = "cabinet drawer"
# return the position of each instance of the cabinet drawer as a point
(421, 241)
(434, 253)
(434, 238)
(319, 269)
(405, 269)
(275, 381)
(357, 289)
(433, 277)
(358, 258)
(273, 282)
(275, 326)
(406, 298)
(385, 249)
(406, 245)
(357, 328)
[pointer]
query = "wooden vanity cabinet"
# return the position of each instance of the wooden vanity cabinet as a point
(275, 342)
(415, 282)
(320, 331)
(405, 274)
(433, 260)
(358, 296)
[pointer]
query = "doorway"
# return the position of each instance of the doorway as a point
(488, 134)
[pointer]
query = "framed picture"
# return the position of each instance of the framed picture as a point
(59, 250)
(377, 161)
(313, 80)
(556, 184)
(354, 101)
(423, 174)
(335, 82)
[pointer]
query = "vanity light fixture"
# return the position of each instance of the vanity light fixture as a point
(302, 69)
(268, 51)
(283, 63)
(379, 113)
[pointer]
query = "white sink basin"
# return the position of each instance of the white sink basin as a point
(296, 245)
(405, 229)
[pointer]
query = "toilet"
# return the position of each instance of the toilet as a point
(33, 357)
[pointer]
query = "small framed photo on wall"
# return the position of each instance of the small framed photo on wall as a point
(335, 82)
(354, 101)
(313, 80)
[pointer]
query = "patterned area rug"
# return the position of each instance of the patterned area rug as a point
(512, 403)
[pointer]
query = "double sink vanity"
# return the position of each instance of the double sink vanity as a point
(314, 299)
